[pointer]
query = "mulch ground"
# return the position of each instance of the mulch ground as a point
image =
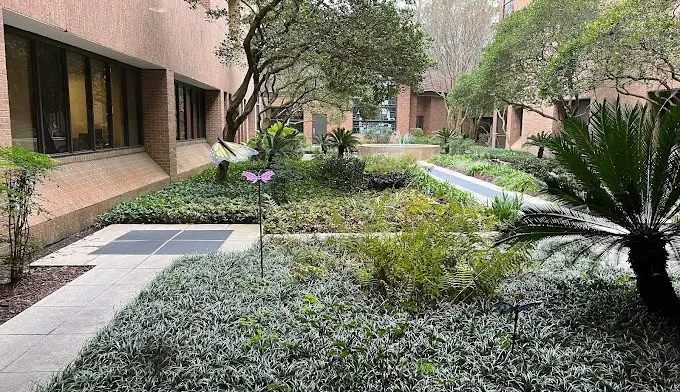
(39, 282)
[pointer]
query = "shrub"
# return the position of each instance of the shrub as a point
(506, 207)
(483, 138)
(343, 140)
(443, 137)
(422, 140)
(417, 132)
(379, 134)
(21, 171)
(342, 173)
(388, 163)
(390, 180)
(460, 145)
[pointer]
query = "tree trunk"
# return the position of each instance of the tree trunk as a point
(648, 259)
(341, 151)
(222, 169)
(541, 150)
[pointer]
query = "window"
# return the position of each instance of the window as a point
(64, 100)
(21, 92)
(190, 105)
(508, 7)
(420, 122)
(385, 117)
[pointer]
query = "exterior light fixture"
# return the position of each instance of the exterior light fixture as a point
(157, 6)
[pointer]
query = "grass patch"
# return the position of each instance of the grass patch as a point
(208, 324)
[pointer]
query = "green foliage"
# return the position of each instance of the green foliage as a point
(206, 312)
(540, 140)
(378, 134)
(390, 180)
(627, 167)
(638, 39)
(388, 163)
(324, 142)
(483, 138)
(422, 140)
(427, 262)
(440, 189)
(515, 67)
(460, 145)
(507, 207)
(344, 141)
(21, 171)
(500, 174)
(280, 142)
(342, 173)
(443, 137)
(417, 132)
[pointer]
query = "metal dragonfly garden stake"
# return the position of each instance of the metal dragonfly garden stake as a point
(259, 179)
(516, 309)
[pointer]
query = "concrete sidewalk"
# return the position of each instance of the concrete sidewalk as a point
(483, 191)
(46, 337)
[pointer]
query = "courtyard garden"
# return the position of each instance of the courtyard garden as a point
(413, 289)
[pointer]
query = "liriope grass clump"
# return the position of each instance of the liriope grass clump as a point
(210, 324)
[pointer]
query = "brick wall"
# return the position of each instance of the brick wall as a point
(192, 156)
(160, 128)
(433, 110)
(214, 115)
(79, 190)
(403, 109)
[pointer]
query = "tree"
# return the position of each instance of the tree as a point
(631, 42)
(626, 165)
(541, 140)
(516, 65)
(344, 140)
(459, 29)
(346, 45)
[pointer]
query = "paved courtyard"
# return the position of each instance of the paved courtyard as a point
(46, 337)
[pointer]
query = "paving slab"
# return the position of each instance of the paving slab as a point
(46, 337)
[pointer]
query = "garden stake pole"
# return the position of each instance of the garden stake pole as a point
(259, 210)
(514, 330)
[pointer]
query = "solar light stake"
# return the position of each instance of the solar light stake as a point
(516, 309)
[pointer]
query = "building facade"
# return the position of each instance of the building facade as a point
(512, 129)
(407, 110)
(126, 95)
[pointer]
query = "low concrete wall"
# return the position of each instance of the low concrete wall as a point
(420, 152)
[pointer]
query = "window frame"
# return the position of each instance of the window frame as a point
(196, 107)
(34, 41)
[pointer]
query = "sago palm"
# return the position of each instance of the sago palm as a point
(443, 137)
(540, 140)
(344, 140)
(626, 164)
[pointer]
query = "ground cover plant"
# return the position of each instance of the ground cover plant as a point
(208, 324)
(324, 195)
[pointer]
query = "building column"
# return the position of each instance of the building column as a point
(214, 115)
(5, 124)
(514, 127)
(403, 109)
(160, 127)
(307, 126)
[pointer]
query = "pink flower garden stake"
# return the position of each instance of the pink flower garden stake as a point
(259, 179)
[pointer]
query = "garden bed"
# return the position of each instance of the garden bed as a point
(209, 323)
(305, 198)
(36, 284)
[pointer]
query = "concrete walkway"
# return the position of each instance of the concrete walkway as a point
(483, 191)
(46, 337)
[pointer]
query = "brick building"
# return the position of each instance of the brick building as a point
(127, 96)
(408, 109)
(520, 124)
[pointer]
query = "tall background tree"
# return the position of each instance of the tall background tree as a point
(459, 30)
(631, 43)
(516, 66)
(349, 45)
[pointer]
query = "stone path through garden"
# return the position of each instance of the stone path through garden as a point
(482, 190)
(46, 337)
